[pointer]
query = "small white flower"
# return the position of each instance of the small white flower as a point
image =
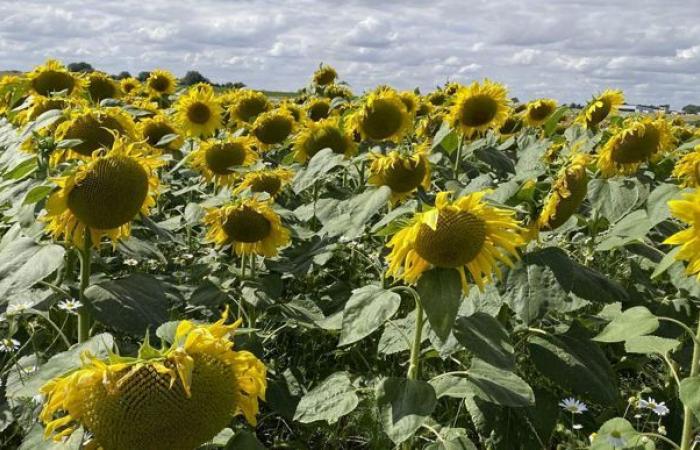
(18, 308)
(8, 345)
(70, 306)
(188, 256)
(577, 426)
(573, 406)
(131, 262)
(615, 439)
(659, 408)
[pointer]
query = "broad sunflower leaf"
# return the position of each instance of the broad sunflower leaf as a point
(633, 322)
(651, 344)
(440, 292)
(690, 394)
(485, 337)
(329, 401)
(366, 310)
(23, 263)
(657, 202)
(319, 165)
(499, 386)
(403, 406)
(614, 198)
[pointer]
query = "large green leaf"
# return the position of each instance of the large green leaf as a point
(690, 394)
(657, 203)
(486, 338)
(398, 334)
(35, 440)
(614, 198)
(244, 440)
(651, 344)
(635, 321)
(329, 401)
(366, 310)
(531, 291)
(440, 293)
(319, 165)
(403, 406)
(23, 263)
(499, 386)
(348, 218)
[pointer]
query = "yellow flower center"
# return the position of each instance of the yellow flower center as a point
(457, 239)
(95, 133)
(101, 88)
(266, 183)
(478, 110)
(319, 110)
(53, 81)
(382, 120)
(274, 130)
(637, 146)
(111, 193)
(155, 131)
(247, 225)
(405, 174)
(159, 83)
(221, 157)
(199, 113)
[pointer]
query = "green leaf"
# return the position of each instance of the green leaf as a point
(451, 441)
(23, 169)
(657, 203)
(445, 138)
(132, 304)
(366, 310)
(355, 213)
(531, 291)
(550, 126)
(451, 386)
(167, 139)
(23, 263)
(667, 261)
(440, 292)
(36, 194)
(499, 386)
(690, 394)
(613, 198)
(635, 321)
(634, 226)
(632, 438)
(244, 440)
(398, 334)
(651, 344)
(35, 440)
(486, 338)
(329, 401)
(403, 406)
(319, 165)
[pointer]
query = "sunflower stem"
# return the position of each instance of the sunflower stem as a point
(688, 417)
(85, 271)
(414, 362)
(243, 265)
(458, 157)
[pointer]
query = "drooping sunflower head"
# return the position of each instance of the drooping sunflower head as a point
(130, 85)
(40, 105)
(100, 86)
(160, 134)
(687, 209)
(103, 196)
(639, 140)
(247, 105)
(602, 106)
(52, 78)
(382, 116)
(198, 112)
(479, 107)
(538, 111)
(318, 109)
(411, 100)
(568, 192)
(325, 75)
(92, 129)
(337, 90)
(249, 225)
(467, 233)
(687, 169)
(270, 181)
(273, 127)
(217, 160)
(684, 133)
(325, 133)
(158, 399)
(294, 109)
(424, 107)
(512, 125)
(402, 173)
(437, 97)
(161, 82)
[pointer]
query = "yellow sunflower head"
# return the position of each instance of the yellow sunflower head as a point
(687, 169)
(402, 173)
(687, 209)
(161, 82)
(337, 90)
(158, 399)
(247, 105)
(602, 106)
(437, 98)
(217, 160)
(479, 107)
(568, 192)
(464, 234)
(52, 78)
(318, 109)
(538, 111)
(130, 85)
(158, 128)
(683, 133)
(41, 104)
(92, 129)
(293, 109)
(103, 196)
(100, 86)
(198, 112)
(325, 133)
(382, 116)
(249, 225)
(512, 125)
(411, 100)
(325, 75)
(639, 140)
(424, 107)
(270, 181)
(273, 127)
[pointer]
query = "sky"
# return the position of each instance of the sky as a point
(567, 50)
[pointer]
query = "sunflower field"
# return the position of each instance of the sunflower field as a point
(202, 268)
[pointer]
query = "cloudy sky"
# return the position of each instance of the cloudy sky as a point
(565, 49)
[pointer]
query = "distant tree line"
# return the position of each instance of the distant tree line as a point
(691, 109)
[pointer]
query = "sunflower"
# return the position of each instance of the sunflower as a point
(154, 129)
(41, 104)
(217, 160)
(424, 107)
(175, 398)
(53, 77)
(325, 75)
(270, 181)
(161, 82)
(538, 111)
(273, 127)
(92, 129)
(402, 173)
(411, 101)
(602, 106)
(130, 85)
(247, 105)
(100, 86)
(687, 209)
(318, 109)
(512, 125)
(337, 90)
(479, 107)
(198, 112)
(467, 233)
(325, 133)
(249, 225)
(103, 196)
(382, 116)
(568, 192)
(437, 98)
(687, 169)
(637, 141)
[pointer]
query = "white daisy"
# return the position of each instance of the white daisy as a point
(17, 308)
(70, 306)
(8, 345)
(573, 406)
